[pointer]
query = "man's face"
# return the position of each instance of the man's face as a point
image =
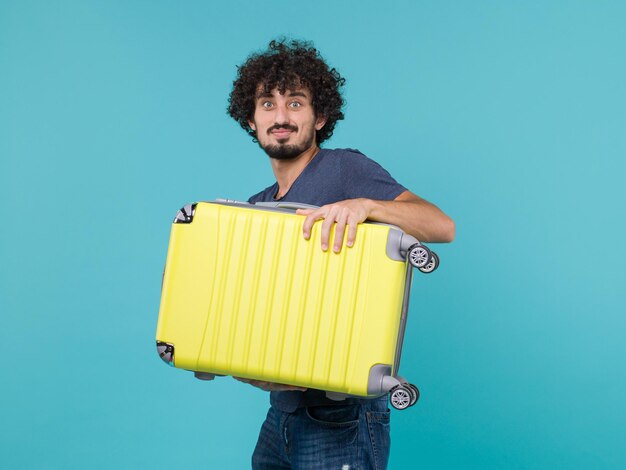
(285, 124)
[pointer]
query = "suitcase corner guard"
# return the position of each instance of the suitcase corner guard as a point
(166, 352)
(376, 384)
(185, 214)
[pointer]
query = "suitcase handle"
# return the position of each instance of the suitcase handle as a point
(286, 205)
(275, 204)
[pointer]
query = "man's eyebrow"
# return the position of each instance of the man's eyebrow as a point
(269, 94)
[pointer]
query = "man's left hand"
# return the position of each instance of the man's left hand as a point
(350, 213)
(270, 386)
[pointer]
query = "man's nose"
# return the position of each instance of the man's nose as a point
(281, 116)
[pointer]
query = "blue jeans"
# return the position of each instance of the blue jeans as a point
(342, 437)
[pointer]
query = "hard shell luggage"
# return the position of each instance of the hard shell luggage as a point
(244, 294)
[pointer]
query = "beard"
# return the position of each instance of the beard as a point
(285, 151)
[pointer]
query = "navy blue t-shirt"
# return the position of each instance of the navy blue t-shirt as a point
(332, 176)
(336, 175)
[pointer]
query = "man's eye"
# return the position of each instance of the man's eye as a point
(295, 104)
(266, 104)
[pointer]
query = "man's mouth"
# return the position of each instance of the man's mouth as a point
(282, 132)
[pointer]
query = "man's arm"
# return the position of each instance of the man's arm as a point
(414, 215)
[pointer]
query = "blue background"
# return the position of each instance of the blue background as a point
(510, 116)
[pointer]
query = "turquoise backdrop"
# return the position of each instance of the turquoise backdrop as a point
(511, 116)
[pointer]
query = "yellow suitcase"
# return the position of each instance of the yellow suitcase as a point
(244, 294)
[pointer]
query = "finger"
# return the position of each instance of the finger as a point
(304, 211)
(327, 225)
(352, 226)
(307, 225)
(340, 229)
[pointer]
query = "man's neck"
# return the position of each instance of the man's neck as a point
(287, 171)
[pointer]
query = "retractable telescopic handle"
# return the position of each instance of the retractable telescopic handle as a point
(271, 204)
(286, 205)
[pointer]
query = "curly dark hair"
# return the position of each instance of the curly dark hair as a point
(288, 65)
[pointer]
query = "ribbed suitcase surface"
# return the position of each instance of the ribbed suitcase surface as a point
(245, 295)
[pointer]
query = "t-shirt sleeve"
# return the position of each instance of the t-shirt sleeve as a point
(363, 177)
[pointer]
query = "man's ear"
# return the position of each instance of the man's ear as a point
(253, 126)
(320, 122)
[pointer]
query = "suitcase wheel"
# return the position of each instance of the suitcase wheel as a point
(404, 395)
(431, 265)
(416, 393)
(419, 255)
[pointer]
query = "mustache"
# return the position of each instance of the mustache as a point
(282, 126)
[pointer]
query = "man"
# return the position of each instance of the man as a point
(289, 100)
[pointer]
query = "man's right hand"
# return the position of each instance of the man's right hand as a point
(270, 386)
